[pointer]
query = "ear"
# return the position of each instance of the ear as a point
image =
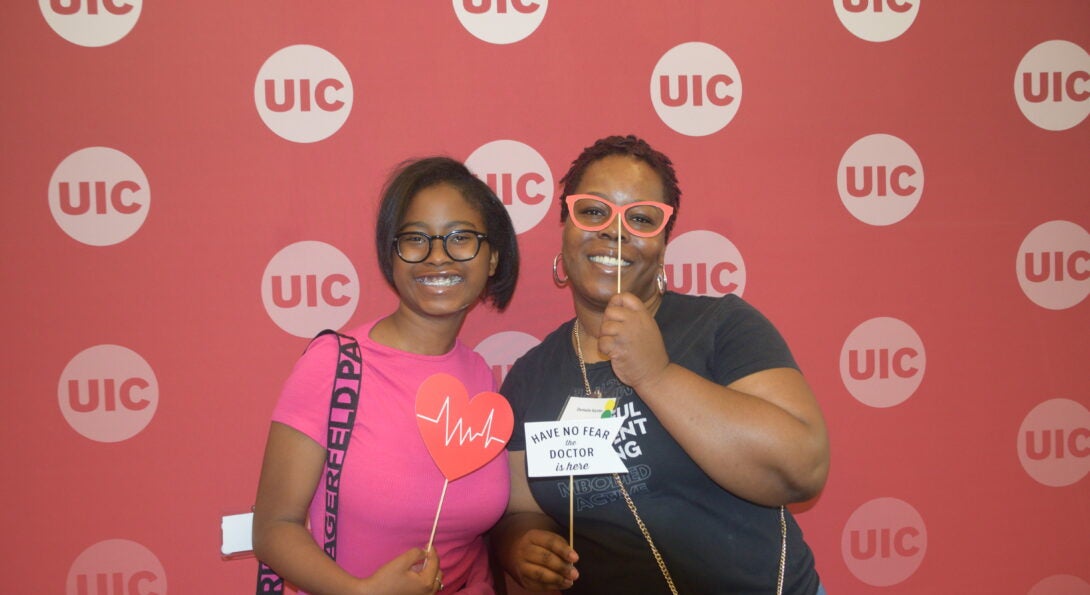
(493, 262)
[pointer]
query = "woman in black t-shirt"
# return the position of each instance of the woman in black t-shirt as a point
(720, 429)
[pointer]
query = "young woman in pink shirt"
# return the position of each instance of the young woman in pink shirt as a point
(445, 242)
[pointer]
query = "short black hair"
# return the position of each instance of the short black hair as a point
(412, 176)
(631, 146)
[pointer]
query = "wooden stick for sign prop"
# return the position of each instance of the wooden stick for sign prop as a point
(571, 511)
(571, 478)
(436, 523)
(580, 443)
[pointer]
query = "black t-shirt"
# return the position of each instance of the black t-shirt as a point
(711, 540)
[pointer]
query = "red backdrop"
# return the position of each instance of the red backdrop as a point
(190, 189)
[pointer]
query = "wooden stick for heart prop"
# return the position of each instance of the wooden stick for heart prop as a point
(461, 434)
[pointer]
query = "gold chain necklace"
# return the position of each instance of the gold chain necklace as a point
(632, 505)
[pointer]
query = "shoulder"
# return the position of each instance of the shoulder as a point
(726, 302)
(323, 347)
(328, 339)
(679, 308)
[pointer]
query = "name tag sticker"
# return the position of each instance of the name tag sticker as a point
(587, 408)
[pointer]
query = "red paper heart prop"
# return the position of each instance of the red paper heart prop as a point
(461, 434)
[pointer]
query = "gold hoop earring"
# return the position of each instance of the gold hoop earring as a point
(660, 280)
(556, 273)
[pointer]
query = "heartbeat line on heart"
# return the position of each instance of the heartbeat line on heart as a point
(466, 435)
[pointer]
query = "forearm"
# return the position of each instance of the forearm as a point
(290, 550)
(771, 450)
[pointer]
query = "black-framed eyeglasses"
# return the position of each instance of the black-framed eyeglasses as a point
(460, 245)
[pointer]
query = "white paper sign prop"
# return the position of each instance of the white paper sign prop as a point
(577, 447)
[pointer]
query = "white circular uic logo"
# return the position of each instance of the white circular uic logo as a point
(108, 393)
(99, 196)
(704, 263)
(884, 542)
(116, 566)
(519, 176)
(91, 23)
(310, 286)
(303, 93)
(877, 20)
(882, 362)
(1053, 265)
(696, 89)
(880, 179)
(1052, 85)
(1054, 442)
(1060, 584)
(501, 21)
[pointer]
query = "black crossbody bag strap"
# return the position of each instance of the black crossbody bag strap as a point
(342, 418)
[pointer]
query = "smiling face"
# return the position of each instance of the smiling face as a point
(439, 286)
(590, 258)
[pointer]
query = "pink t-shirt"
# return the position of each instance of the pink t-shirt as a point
(390, 486)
